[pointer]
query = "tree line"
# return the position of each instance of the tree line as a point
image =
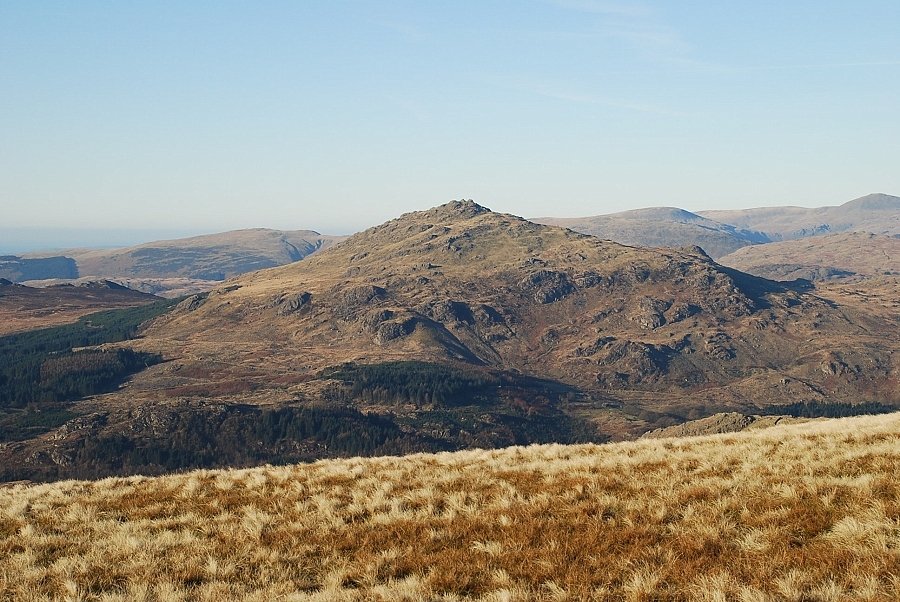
(233, 435)
(818, 409)
(415, 382)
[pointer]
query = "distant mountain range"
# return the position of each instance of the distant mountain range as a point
(876, 213)
(662, 227)
(169, 267)
(722, 232)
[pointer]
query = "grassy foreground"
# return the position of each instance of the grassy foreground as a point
(803, 512)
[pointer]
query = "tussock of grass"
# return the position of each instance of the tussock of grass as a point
(803, 512)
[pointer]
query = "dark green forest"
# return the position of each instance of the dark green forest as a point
(233, 435)
(814, 409)
(420, 383)
(43, 371)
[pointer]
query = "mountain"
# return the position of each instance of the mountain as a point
(798, 512)
(821, 257)
(876, 213)
(662, 227)
(460, 327)
(171, 288)
(25, 308)
(207, 257)
(18, 269)
(170, 267)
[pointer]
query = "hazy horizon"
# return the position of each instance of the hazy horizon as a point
(14, 241)
(40, 240)
(337, 116)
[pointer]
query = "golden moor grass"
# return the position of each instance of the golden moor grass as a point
(803, 512)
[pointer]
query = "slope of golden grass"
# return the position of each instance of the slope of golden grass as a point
(804, 512)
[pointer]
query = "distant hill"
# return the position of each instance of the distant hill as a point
(876, 213)
(169, 288)
(662, 227)
(25, 308)
(18, 269)
(821, 257)
(208, 257)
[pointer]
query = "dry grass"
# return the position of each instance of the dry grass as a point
(25, 308)
(804, 512)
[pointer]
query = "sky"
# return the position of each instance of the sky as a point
(199, 116)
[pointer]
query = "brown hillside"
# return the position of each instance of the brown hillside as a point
(821, 257)
(465, 284)
(584, 339)
(24, 307)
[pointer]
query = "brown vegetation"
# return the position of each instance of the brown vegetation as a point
(25, 308)
(854, 254)
(804, 512)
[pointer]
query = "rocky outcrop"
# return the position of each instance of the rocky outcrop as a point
(547, 286)
(730, 422)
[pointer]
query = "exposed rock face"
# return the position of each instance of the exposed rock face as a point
(20, 269)
(77, 425)
(395, 329)
(730, 422)
(547, 286)
(448, 311)
(362, 295)
(192, 303)
(289, 304)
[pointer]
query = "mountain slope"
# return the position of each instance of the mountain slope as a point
(662, 227)
(458, 327)
(821, 257)
(876, 213)
(462, 283)
(802, 512)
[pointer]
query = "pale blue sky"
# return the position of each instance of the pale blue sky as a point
(204, 116)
